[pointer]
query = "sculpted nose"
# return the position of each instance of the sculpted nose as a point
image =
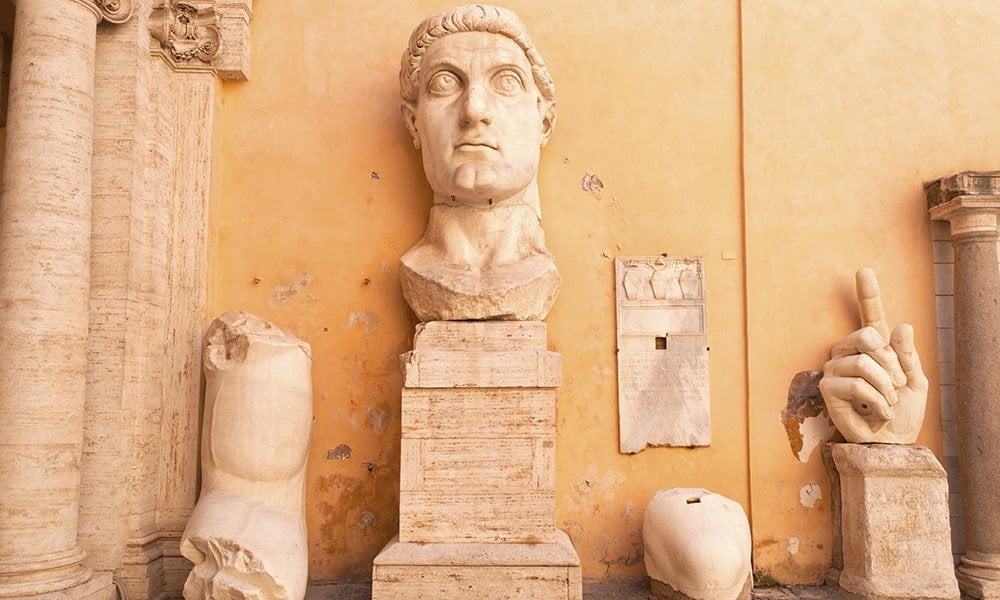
(476, 107)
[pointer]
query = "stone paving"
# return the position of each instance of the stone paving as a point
(632, 590)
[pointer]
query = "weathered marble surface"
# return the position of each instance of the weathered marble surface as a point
(478, 434)
(662, 353)
(697, 545)
(480, 104)
(873, 385)
(477, 469)
(247, 535)
(894, 528)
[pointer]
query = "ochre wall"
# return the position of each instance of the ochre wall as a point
(849, 106)
(794, 137)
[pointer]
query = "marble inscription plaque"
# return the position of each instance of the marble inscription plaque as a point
(662, 352)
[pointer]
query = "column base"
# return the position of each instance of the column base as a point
(459, 571)
(979, 578)
(98, 587)
(45, 574)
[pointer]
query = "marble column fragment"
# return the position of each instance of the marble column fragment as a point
(44, 291)
(971, 202)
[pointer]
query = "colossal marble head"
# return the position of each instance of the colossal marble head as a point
(480, 105)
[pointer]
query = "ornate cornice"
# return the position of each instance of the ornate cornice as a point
(115, 11)
(966, 183)
(187, 33)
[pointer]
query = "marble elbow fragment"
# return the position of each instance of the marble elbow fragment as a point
(247, 535)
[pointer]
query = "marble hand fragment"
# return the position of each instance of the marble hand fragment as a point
(873, 385)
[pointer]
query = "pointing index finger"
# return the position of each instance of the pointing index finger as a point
(870, 299)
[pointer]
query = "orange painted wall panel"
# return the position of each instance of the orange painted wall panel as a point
(849, 107)
(321, 192)
(793, 136)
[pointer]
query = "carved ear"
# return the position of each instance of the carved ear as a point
(548, 120)
(409, 111)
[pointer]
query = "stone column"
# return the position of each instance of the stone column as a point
(971, 202)
(44, 292)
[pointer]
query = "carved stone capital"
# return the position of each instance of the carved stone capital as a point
(112, 11)
(970, 200)
(186, 33)
(115, 11)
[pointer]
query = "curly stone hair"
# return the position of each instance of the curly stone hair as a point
(474, 17)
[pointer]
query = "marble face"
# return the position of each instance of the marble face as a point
(479, 106)
(479, 119)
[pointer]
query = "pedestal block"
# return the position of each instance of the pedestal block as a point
(894, 522)
(477, 476)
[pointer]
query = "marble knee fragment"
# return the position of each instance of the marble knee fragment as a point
(247, 535)
(697, 545)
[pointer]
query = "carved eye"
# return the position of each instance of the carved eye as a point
(508, 82)
(443, 83)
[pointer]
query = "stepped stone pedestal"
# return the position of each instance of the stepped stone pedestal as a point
(477, 479)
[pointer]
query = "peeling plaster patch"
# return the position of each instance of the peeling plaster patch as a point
(793, 545)
(362, 317)
(815, 431)
(367, 519)
(809, 495)
(804, 416)
(592, 183)
(341, 452)
(284, 291)
(379, 418)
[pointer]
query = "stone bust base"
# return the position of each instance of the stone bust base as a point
(522, 291)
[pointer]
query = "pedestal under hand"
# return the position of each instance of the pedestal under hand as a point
(894, 525)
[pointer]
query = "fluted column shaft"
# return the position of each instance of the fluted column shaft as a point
(44, 288)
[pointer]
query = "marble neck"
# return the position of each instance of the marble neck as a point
(528, 196)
